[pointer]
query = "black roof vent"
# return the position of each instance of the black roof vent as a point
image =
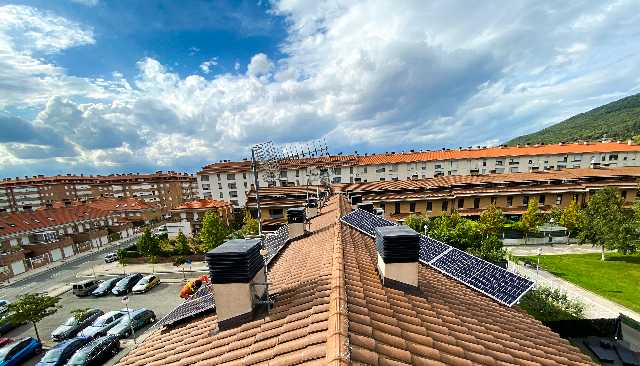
(397, 244)
(312, 204)
(296, 215)
(366, 206)
(355, 199)
(235, 261)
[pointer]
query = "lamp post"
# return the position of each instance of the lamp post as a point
(425, 229)
(538, 266)
(125, 301)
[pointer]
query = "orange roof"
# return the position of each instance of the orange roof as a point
(17, 222)
(112, 204)
(445, 154)
(97, 179)
(202, 204)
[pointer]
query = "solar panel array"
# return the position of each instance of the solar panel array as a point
(496, 282)
(276, 241)
(189, 308)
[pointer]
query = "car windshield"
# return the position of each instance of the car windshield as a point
(143, 281)
(102, 320)
(108, 283)
(52, 356)
(71, 322)
(78, 358)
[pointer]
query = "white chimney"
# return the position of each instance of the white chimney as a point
(237, 274)
(397, 248)
(295, 220)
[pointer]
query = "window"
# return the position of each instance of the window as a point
(493, 200)
(382, 179)
(429, 206)
(218, 176)
(350, 170)
(396, 209)
(613, 157)
(245, 184)
(530, 161)
(541, 199)
(525, 200)
(283, 174)
(461, 203)
(445, 206)
(244, 175)
(365, 169)
(206, 187)
(382, 205)
(276, 213)
(337, 179)
(509, 201)
(380, 170)
(484, 163)
(603, 157)
(219, 185)
(499, 162)
(297, 173)
(412, 207)
(476, 203)
(232, 185)
(558, 199)
(624, 195)
(438, 166)
(221, 195)
(204, 178)
(337, 171)
(231, 176)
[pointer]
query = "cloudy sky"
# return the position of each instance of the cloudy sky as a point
(98, 86)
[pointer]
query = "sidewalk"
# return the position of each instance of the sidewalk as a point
(596, 306)
(555, 249)
(55, 265)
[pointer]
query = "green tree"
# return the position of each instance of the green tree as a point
(531, 219)
(33, 308)
(547, 304)
(182, 245)
(417, 222)
(145, 243)
(213, 231)
(570, 217)
(603, 221)
(456, 231)
(490, 249)
(250, 226)
(491, 221)
(122, 257)
(79, 314)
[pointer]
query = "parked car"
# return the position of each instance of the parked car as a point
(4, 306)
(126, 284)
(19, 351)
(5, 341)
(74, 325)
(106, 286)
(101, 325)
(62, 352)
(96, 352)
(7, 323)
(139, 318)
(146, 284)
(110, 257)
(85, 287)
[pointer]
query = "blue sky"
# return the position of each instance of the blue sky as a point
(97, 86)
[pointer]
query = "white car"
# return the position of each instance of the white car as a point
(110, 257)
(4, 306)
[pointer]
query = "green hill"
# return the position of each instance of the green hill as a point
(619, 120)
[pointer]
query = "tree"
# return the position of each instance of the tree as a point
(33, 308)
(491, 221)
(603, 221)
(547, 304)
(182, 245)
(250, 226)
(456, 231)
(213, 231)
(417, 222)
(145, 243)
(570, 217)
(531, 219)
(122, 257)
(490, 249)
(80, 314)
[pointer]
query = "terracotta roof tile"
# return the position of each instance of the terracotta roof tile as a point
(202, 204)
(26, 221)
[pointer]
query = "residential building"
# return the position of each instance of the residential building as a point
(134, 210)
(231, 181)
(31, 239)
(511, 192)
(164, 189)
(331, 307)
(187, 218)
(274, 202)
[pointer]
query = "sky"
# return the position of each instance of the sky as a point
(99, 86)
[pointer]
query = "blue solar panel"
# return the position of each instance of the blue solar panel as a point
(458, 264)
(500, 284)
(430, 249)
(187, 309)
(276, 241)
(365, 222)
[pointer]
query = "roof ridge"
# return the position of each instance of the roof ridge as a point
(337, 352)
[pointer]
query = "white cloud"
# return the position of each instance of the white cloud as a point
(364, 74)
(86, 2)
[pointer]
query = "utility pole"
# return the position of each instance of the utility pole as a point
(255, 182)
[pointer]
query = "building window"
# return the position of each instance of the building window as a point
(351, 170)
(380, 170)
(624, 195)
(382, 205)
(558, 199)
(337, 179)
(438, 166)
(245, 184)
(206, 187)
(525, 200)
(509, 201)
(231, 177)
(218, 176)
(499, 162)
(234, 202)
(221, 195)
(382, 179)
(461, 203)
(297, 173)
(232, 185)
(412, 207)
(445, 206)
(397, 208)
(493, 200)
(219, 185)
(484, 163)
(429, 206)
(276, 213)
(337, 171)
(365, 169)
(204, 178)
(476, 203)
(283, 174)
(244, 175)
(613, 157)
(541, 199)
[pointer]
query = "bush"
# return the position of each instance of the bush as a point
(547, 304)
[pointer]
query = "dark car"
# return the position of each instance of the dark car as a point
(106, 286)
(139, 318)
(102, 325)
(96, 352)
(7, 324)
(19, 351)
(84, 288)
(74, 325)
(126, 284)
(58, 355)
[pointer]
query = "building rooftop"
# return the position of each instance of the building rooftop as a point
(331, 308)
(202, 204)
(25, 221)
(94, 179)
(113, 204)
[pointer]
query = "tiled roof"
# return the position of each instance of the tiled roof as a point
(448, 154)
(96, 179)
(113, 204)
(25, 221)
(202, 204)
(331, 308)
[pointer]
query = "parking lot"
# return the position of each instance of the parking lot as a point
(161, 299)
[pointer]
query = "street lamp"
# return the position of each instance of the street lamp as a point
(125, 301)
(425, 229)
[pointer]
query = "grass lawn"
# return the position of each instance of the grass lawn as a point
(617, 278)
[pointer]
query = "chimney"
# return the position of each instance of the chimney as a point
(295, 221)
(366, 206)
(397, 248)
(312, 207)
(237, 274)
(378, 212)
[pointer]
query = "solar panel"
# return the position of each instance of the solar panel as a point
(365, 222)
(275, 242)
(430, 249)
(188, 309)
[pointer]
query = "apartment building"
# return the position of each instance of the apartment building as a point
(231, 181)
(164, 189)
(187, 218)
(31, 239)
(274, 202)
(133, 210)
(511, 192)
